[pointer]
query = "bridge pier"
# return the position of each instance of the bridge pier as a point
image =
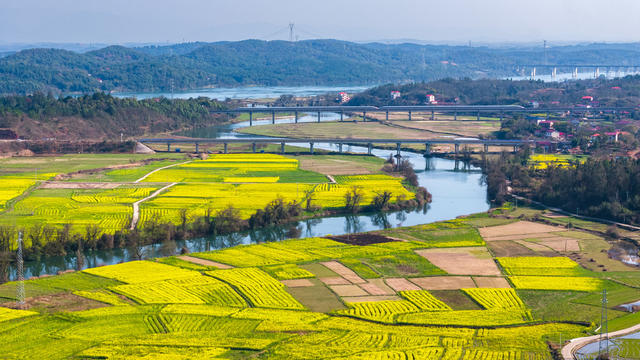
(296, 120)
(168, 146)
(253, 147)
(501, 116)
(364, 116)
(340, 148)
(341, 116)
(318, 116)
(369, 148)
(554, 73)
(427, 150)
(311, 148)
(515, 148)
(455, 115)
(250, 118)
(486, 149)
(575, 73)
(225, 148)
(387, 115)
(409, 115)
(282, 147)
(456, 149)
(197, 148)
(273, 117)
(478, 116)
(398, 146)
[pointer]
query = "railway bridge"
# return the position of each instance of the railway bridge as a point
(498, 111)
(368, 143)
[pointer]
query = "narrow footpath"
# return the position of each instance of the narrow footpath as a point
(158, 169)
(136, 205)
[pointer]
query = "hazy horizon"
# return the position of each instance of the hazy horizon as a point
(453, 22)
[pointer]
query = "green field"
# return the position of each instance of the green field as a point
(318, 298)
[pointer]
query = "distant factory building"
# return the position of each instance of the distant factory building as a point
(431, 99)
(395, 94)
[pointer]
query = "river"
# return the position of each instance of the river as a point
(457, 189)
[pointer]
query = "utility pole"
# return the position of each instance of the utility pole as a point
(604, 328)
(20, 272)
(291, 29)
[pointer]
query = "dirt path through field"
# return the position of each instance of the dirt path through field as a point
(136, 205)
(575, 344)
(158, 169)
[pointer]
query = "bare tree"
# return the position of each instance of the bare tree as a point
(352, 199)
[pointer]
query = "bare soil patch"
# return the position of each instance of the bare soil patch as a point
(333, 167)
(533, 246)
(444, 282)
(59, 302)
(562, 244)
(491, 282)
(401, 284)
(373, 289)
(356, 299)
(509, 249)
(361, 239)
(462, 261)
(456, 299)
(335, 280)
(348, 290)
(517, 228)
(297, 283)
(78, 185)
(204, 262)
(344, 271)
(380, 284)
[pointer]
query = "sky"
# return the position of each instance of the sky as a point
(442, 21)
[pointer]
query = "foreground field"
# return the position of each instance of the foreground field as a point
(433, 291)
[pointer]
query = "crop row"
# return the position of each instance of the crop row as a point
(424, 300)
(383, 311)
(495, 298)
(556, 283)
(534, 265)
(258, 287)
(191, 290)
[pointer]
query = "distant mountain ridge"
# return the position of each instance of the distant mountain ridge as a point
(255, 62)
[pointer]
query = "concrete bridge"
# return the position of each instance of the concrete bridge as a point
(341, 142)
(498, 110)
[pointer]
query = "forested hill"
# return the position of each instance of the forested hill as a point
(100, 116)
(254, 62)
(605, 92)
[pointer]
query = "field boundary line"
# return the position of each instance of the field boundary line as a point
(136, 205)
(158, 169)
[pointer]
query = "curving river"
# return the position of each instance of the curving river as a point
(455, 192)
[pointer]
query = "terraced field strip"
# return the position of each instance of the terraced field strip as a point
(344, 271)
(204, 262)
(158, 169)
(136, 205)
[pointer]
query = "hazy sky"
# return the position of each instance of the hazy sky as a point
(125, 21)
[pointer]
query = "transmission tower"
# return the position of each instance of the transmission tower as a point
(20, 270)
(604, 328)
(291, 31)
(545, 52)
